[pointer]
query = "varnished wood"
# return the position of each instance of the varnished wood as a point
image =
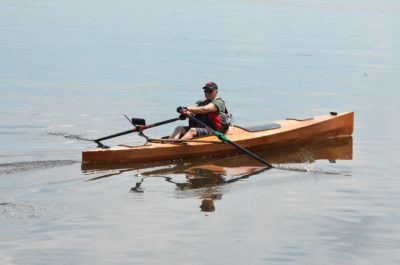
(291, 132)
(334, 148)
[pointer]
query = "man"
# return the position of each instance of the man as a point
(211, 110)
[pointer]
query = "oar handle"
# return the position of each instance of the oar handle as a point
(223, 138)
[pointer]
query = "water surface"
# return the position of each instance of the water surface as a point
(69, 70)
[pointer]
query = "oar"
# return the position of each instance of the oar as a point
(138, 128)
(223, 138)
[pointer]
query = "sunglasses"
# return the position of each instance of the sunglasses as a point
(208, 91)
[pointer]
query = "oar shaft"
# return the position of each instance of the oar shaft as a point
(161, 123)
(141, 127)
(200, 123)
(250, 153)
(222, 137)
(115, 135)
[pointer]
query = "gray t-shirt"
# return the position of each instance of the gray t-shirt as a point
(218, 102)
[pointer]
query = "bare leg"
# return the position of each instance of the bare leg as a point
(190, 134)
(176, 134)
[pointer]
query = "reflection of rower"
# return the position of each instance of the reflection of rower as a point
(207, 205)
(208, 176)
(211, 175)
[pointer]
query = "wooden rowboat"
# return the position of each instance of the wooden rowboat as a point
(280, 133)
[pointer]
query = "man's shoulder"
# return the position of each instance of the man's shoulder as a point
(220, 103)
(218, 100)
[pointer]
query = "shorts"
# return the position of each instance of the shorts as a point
(200, 131)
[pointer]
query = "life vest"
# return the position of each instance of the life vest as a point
(220, 120)
(217, 120)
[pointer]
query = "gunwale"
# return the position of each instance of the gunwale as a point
(291, 132)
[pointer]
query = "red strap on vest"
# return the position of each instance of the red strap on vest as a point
(216, 120)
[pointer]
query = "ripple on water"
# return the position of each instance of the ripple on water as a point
(17, 167)
(26, 210)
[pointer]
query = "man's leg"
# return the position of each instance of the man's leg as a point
(176, 134)
(190, 134)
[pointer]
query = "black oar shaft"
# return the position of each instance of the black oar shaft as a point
(141, 127)
(161, 123)
(115, 135)
(222, 137)
(250, 153)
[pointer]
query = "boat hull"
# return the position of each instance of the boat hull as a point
(291, 132)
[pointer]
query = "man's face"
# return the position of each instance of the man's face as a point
(210, 93)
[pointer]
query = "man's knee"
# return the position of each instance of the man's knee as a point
(193, 131)
(179, 129)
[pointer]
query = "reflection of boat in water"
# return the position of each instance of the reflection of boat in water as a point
(338, 148)
(210, 175)
(206, 175)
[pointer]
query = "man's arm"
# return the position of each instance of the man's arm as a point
(210, 107)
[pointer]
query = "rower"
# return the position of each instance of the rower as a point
(211, 110)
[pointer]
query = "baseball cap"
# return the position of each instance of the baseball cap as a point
(210, 85)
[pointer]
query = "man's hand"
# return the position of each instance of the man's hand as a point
(182, 117)
(182, 109)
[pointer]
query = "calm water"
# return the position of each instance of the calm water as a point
(71, 69)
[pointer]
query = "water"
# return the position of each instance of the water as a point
(71, 69)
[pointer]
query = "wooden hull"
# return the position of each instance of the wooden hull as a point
(291, 132)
